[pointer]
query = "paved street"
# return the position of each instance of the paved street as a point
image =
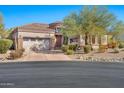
(62, 74)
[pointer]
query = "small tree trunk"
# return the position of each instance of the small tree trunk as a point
(86, 38)
(65, 41)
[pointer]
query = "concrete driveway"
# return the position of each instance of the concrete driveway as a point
(47, 56)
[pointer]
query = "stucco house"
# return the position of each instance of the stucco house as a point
(39, 34)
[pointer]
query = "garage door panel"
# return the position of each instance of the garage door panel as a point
(44, 44)
(41, 44)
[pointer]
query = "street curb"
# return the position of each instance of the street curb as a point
(77, 60)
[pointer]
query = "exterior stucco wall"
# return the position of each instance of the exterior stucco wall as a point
(34, 35)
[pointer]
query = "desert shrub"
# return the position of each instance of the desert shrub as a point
(102, 48)
(112, 45)
(121, 45)
(116, 50)
(65, 48)
(109, 45)
(5, 44)
(87, 48)
(17, 53)
(73, 47)
(69, 52)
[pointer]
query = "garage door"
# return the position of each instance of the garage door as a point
(43, 44)
(40, 43)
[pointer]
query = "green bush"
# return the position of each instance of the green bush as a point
(121, 45)
(17, 53)
(112, 45)
(5, 44)
(65, 48)
(69, 52)
(72, 47)
(87, 48)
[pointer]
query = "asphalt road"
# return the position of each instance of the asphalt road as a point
(62, 75)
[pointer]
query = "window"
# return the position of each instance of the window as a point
(57, 29)
(73, 40)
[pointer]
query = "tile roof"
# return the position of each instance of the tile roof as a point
(35, 27)
(57, 22)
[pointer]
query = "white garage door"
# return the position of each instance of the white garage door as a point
(41, 44)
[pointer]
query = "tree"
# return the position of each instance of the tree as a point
(117, 30)
(70, 25)
(91, 20)
(95, 20)
(4, 33)
(2, 29)
(9, 33)
(1, 18)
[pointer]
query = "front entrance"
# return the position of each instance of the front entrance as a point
(58, 41)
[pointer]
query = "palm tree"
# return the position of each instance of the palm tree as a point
(91, 21)
(117, 30)
(95, 21)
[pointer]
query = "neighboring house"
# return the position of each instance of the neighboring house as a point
(37, 34)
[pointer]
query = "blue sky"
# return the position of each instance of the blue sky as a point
(20, 15)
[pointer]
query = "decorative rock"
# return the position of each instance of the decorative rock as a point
(81, 57)
(90, 58)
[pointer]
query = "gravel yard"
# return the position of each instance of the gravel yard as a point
(109, 55)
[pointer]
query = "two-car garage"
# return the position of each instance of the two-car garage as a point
(37, 36)
(39, 43)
